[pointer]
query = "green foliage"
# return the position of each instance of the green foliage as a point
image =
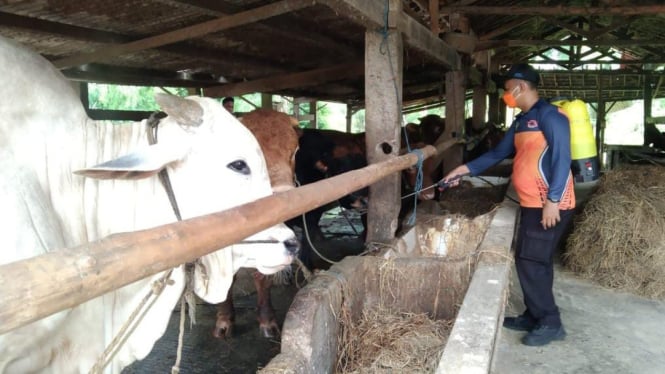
(115, 97)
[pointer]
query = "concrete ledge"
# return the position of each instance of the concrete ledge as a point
(470, 347)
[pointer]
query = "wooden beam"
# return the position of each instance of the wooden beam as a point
(56, 28)
(591, 33)
(98, 36)
(294, 80)
(504, 28)
(490, 44)
(294, 33)
(618, 61)
(189, 32)
(371, 15)
(572, 28)
(555, 10)
(138, 77)
(117, 115)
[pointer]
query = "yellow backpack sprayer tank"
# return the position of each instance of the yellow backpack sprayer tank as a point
(585, 165)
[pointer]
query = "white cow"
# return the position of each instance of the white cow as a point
(45, 136)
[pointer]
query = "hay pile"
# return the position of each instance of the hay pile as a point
(619, 239)
(383, 342)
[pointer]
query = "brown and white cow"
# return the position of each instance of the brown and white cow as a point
(213, 162)
(278, 139)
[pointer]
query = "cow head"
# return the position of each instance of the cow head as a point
(214, 163)
(432, 126)
(278, 139)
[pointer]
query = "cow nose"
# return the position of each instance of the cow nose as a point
(292, 245)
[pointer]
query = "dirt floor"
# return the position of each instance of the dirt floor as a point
(608, 331)
(246, 351)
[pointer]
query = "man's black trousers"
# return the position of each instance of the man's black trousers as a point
(534, 250)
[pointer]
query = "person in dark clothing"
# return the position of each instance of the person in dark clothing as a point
(228, 104)
(540, 138)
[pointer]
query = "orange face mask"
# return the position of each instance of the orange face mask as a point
(509, 98)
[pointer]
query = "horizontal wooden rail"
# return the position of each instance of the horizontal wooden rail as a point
(40, 286)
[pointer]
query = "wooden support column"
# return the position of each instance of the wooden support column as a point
(266, 101)
(479, 107)
(383, 81)
(349, 117)
(313, 123)
(648, 101)
(600, 132)
(455, 89)
(84, 95)
(434, 17)
(493, 108)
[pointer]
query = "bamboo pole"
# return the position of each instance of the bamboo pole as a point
(40, 286)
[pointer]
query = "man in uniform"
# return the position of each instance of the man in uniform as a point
(540, 138)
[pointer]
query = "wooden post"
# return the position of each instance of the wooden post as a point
(648, 100)
(313, 122)
(434, 17)
(266, 101)
(455, 90)
(600, 132)
(383, 81)
(479, 107)
(349, 117)
(493, 108)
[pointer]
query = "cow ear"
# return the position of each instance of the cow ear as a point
(184, 111)
(136, 165)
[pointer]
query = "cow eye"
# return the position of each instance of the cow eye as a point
(239, 166)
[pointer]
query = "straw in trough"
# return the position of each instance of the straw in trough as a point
(385, 342)
(384, 339)
(619, 238)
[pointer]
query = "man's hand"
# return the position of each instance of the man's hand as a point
(452, 179)
(550, 215)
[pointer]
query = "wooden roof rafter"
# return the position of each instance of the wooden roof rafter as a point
(555, 10)
(188, 32)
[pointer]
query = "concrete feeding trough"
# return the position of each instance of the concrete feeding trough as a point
(443, 266)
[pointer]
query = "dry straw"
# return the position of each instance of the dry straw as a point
(384, 342)
(619, 238)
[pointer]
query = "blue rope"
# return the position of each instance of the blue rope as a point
(419, 184)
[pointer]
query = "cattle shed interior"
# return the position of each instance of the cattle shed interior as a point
(366, 54)
(316, 48)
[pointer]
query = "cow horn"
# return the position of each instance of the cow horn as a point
(186, 112)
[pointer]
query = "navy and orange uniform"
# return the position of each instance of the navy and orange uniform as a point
(540, 140)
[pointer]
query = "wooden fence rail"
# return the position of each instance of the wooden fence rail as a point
(40, 286)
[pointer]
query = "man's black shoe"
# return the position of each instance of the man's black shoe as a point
(543, 335)
(519, 323)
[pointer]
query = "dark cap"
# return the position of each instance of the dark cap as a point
(522, 71)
